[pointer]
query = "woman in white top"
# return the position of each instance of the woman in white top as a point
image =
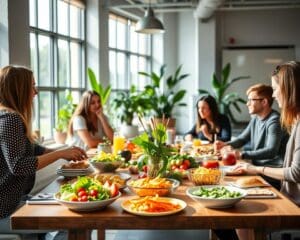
(89, 125)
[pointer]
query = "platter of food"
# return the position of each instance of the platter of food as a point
(153, 206)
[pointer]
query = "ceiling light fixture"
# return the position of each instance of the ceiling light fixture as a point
(149, 24)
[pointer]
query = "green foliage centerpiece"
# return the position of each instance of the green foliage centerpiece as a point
(154, 146)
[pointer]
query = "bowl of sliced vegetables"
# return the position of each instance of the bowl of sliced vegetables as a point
(86, 194)
(216, 196)
(153, 186)
(106, 162)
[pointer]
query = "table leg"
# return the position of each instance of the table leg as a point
(260, 234)
(101, 234)
(79, 234)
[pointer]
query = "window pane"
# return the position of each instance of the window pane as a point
(143, 67)
(75, 64)
(62, 17)
(121, 37)
(33, 54)
(63, 63)
(45, 114)
(32, 18)
(74, 21)
(134, 70)
(121, 71)
(112, 32)
(44, 61)
(76, 97)
(133, 39)
(112, 69)
(142, 44)
(44, 14)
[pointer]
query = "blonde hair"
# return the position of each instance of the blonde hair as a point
(262, 90)
(287, 76)
(15, 93)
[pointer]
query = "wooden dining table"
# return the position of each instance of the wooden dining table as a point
(257, 214)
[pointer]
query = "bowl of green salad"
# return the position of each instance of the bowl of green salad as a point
(106, 162)
(86, 194)
(216, 196)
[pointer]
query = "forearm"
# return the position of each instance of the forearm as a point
(48, 158)
(276, 173)
(109, 133)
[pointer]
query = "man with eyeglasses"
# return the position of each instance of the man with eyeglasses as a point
(264, 134)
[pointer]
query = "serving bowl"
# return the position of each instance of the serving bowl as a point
(86, 206)
(144, 187)
(105, 166)
(205, 176)
(216, 196)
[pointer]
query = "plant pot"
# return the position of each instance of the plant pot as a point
(60, 137)
(129, 131)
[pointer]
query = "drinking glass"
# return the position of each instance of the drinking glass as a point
(118, 143)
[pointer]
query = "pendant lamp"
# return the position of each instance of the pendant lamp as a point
(149, 24)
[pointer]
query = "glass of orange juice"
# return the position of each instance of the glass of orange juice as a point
(196, 142)
(118, 143)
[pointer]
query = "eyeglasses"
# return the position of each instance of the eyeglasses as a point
(254, 99)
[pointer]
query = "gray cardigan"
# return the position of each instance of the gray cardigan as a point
(267, 140)
(291, 171)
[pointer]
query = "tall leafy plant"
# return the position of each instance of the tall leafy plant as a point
(219, 88)
(98, 87)
(128, 103)
(163, 101)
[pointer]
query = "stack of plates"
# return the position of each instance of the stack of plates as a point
(70, 172)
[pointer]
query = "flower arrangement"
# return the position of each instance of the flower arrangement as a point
(154, 146)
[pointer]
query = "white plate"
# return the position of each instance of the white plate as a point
(216, 202)
(74, 172)
(126, 206)
(86, 206)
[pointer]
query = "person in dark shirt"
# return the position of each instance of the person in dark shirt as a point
(20, 156)
(210, 123)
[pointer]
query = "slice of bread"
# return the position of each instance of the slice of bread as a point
(247, 182)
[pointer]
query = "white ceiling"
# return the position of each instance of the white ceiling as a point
(188, 5)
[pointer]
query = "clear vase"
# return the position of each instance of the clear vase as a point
(154, 166)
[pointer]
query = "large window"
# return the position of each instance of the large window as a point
(57, 47)
(129, 53)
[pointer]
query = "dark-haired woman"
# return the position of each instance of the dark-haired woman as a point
(89, 125)
(210, 123)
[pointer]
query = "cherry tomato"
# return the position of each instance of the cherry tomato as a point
(210, 164)
(183, 166)
(145, 168)
(80, 189)
(114, 190)
(94, 193)
(83, 198)
(187, 162)
(173, 167)
(82, 193)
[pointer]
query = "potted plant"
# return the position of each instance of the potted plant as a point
(225, 101)
(163, 101)
(64, 115)
(103, 92)
(154, 146)
(127, 104)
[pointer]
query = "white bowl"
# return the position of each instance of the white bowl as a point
(216, 202)
(86, 206)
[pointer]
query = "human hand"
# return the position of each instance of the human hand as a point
(245, 168)
(73, 153)
(218, 145)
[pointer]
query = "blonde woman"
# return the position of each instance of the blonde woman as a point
(20, 157)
